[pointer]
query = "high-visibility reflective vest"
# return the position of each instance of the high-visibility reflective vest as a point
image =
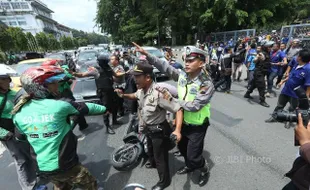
(188, 92)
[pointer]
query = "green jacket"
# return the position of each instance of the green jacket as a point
(6, 123)
(46, 125)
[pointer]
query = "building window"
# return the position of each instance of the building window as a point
(24, 5)
(22, 23)
(16, 6)
(12, 23)
(6, 6)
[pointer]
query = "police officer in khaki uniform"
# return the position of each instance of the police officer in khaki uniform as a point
(195, 89)
(152, 119)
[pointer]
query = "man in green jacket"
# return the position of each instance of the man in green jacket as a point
(45, 123)
(19, 150)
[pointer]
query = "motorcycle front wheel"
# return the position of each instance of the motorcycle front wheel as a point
(126, 157)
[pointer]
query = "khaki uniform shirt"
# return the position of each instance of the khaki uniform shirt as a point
(153, 107)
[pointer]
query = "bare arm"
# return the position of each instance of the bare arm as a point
(130, 96)
(308, 92)
(179, 120)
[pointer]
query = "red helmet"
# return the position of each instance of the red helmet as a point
(52, 62)
(33, 79)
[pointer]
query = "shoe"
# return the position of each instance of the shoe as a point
(264, 104)
(157, 187)
(184, 170)
(83, 127)
(148, 165)
(271, 120)
(203, 178)
(248, 96)
(110, 130)
(177, 154)
(267, 95)
(228, 92)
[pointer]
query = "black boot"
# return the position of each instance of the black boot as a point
(263, 103)
(247, 95)
(109, 129)
(204, 175)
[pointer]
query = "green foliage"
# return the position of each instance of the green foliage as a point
(19, 38)
(3, 57)
(66, 42)
(144, 21)
(82, 38)
(32, 43)
(7, 43)
(42, 41)
(15, 40)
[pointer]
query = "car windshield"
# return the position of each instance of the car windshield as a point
(23, 67)
(56, 56)
(155, 52)
(83, 56)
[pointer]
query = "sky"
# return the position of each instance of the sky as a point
(77, 14)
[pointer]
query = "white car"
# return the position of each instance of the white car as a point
(156, 52)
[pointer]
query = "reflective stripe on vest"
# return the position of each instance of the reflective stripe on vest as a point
(188, 92)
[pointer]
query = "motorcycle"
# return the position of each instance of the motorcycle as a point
(129, 155)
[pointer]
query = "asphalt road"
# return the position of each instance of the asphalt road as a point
(243, 151)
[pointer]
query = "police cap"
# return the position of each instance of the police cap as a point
(142, 68)
(192, 53)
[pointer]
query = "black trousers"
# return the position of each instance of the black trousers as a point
(120, 102)
(259, 83)
(283, 100)
(227, 79)
(290, 186)
(158, 147)
(108, 99)
(191, 145)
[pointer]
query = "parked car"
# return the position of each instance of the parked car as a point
(23, 66)
(86, 59)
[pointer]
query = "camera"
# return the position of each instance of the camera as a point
(303, 109)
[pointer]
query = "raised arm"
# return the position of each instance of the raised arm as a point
(161, 65)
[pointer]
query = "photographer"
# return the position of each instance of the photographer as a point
(299, 174)
(299, 76)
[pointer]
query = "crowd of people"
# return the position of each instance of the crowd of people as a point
(36, 123)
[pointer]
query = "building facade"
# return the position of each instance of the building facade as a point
(32, 16)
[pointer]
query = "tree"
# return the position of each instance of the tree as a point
(42, 40)
(179, 21)
(19, 39)
(31, 41)
(53, 43)
(66, 42)
(7, 43)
